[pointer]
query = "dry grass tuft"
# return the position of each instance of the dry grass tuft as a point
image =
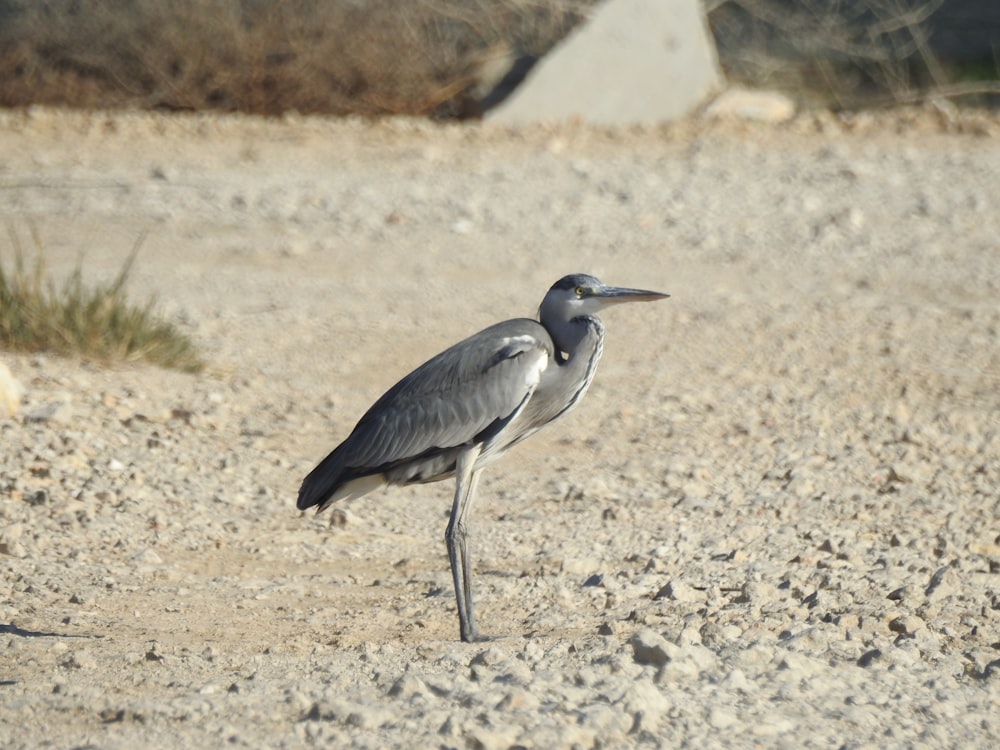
(96, 321)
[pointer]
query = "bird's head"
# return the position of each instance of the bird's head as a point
(580, 294)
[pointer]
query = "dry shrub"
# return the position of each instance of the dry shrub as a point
(368, 57)
(375, 57)
(850, 53)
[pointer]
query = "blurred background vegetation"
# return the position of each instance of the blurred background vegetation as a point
(442, 57)
(850, 54)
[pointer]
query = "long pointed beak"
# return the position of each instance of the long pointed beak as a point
(613, 295)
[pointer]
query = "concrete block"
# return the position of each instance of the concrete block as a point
(633, 62)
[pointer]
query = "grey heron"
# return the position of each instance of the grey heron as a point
(462, 409)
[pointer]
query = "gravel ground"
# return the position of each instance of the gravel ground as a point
(773, 522)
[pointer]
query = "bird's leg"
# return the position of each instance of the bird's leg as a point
(455, 537)
(466, 559)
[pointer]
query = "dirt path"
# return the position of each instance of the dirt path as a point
(774, 521)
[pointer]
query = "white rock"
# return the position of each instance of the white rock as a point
(491, 738)
(462, 226)
(738, 103)
(736, 680)
(80, 659)
(647, 705)
(679, 591)
(147, 557)
(943, 583)
(60, 412)
(799, 665)
(720, 717)
(649, 647)
(407, 686)
(11, 392)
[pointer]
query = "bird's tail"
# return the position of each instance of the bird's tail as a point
(321, 483)
(331, 481)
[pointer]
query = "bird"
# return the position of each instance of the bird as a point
(465, 407)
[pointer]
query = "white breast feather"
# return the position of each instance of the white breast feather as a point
(533, 375)
(537, 358)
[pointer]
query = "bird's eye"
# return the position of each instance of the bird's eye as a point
(579, 291)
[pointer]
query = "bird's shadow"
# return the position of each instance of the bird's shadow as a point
(11, 629)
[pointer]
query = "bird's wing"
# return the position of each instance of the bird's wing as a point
(462, 395)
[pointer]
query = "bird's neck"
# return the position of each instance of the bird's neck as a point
(580, 343)
(579, 339)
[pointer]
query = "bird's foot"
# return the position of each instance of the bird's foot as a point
(475, 637)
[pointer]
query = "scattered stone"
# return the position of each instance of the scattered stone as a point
(714, 635)
(148, 557)
(408, 686)
(462, 226)
(906, 624)
(493, 657)
(111, 715)
(985, 549)
(58, 412)
(800, 664)
(943, 583)
(869, 657)
(679, 591)
(80, 659)
(10, 540)
(214, 687)
(720, 717)
(901, 594)
(736, 103)
(494, 737)
(11, 392)
(758, 593)
(649, 647)
(737, 680)
(647, 704)
(82, 597)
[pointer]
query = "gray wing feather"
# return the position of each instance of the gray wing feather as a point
(467, 392)
(454, 397)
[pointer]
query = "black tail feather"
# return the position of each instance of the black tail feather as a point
(321, 482)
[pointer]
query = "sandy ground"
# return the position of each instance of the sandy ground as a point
(773, 522)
